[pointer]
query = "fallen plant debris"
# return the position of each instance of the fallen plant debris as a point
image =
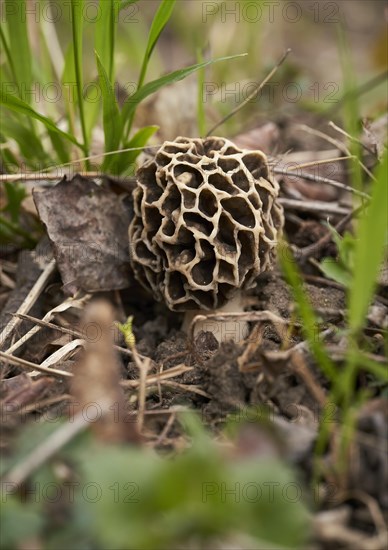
(86, 224)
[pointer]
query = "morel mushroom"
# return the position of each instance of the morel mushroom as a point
(206, 222)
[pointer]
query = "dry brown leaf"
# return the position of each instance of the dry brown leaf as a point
(88, 226)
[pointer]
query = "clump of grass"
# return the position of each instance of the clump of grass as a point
(65, 136)
(366, 250)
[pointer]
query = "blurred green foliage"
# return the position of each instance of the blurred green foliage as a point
(128, 497)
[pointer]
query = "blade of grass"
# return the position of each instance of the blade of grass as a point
(67, 81)
(14, 69)
(126, 160)
(9, 230)
(8, 54)
(19, 46)
(378, 370)
(125, 3)
(369, 249)
(15, 194)
(30, 146)
(8, 159)
(104, 46)
(59, 146)
(201, 119)
(367, 259)
(159, 21)
(309, 320)
(351, 107)
(111, 116)
(153, 86)
(77, 7)
(105, 35)
(48, 31)
(15, 104)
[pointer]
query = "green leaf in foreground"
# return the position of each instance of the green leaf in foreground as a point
(199, 496)
(19, 522)
(369, 249)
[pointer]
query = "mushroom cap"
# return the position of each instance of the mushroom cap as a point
(206, 222)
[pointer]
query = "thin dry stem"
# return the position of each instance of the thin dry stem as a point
(70, 331)
(29, 301)
(256, 90)
(320, 207)
(64, 306)
(143, 365)
(153, 378)
(18, 361)
(320, 179)
(323, 161)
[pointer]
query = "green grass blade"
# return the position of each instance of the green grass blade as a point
(126, 160)
(67, 81)
(334, 270)
(201, 118)
(351, 106)
(29, 145)
(153, 86)
(369, 249)
(15, 194)
(8, 159)
(77, 7)
(15, 104)
(59, 146)
(4, 43)
(105, 35)
(19, 46)
(111, 116)
(309, 320)
(378, 370)
(125, 3)
(159, 21)
(9, 232)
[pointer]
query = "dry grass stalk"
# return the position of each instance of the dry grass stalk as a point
(97, 379)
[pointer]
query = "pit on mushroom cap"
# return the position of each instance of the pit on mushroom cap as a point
(206, 222)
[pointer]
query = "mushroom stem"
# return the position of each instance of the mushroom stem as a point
(223, 331)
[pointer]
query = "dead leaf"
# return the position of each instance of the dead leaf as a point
(310, 190)
(264, 138)
(374, 135)
(88, 226)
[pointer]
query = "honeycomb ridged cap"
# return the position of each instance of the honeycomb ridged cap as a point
(206, 222)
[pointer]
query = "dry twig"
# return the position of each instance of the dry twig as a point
(29, 301)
